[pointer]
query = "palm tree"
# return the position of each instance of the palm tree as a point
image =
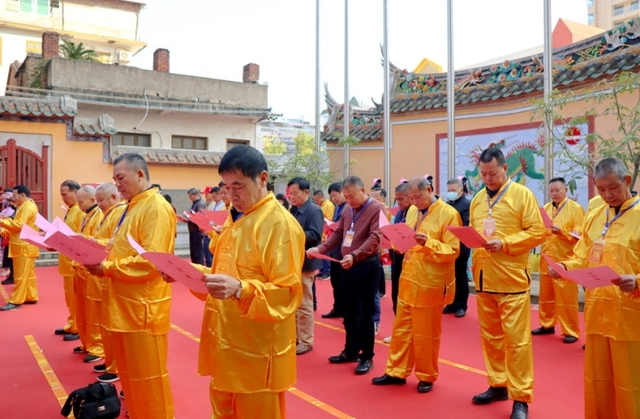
(73, 51)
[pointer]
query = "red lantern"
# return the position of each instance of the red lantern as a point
(572, 135)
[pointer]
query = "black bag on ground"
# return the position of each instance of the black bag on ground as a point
(97, 400)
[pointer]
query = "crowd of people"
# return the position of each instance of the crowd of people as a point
(261, 265)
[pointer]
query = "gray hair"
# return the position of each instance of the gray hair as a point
(403, 187)
(419, 182)
(610, 165)
(89, 190)
(108, 188)
(455, 181)
(193, 191)
(135, 161)
(353, 181)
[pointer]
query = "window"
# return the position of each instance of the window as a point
(590, 18)
(233, 143)
(635, 5)
(131, 139)
(34, 47)
(189, 143)
(40, 7)
(589, 3)
(618, 10)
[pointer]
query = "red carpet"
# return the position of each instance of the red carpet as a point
(322, 391)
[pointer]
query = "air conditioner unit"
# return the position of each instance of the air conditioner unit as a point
(123, 57)
(55, 3)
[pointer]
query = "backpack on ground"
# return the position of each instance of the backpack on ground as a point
(96, 401)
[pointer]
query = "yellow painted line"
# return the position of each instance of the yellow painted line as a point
(184, 332)
(317, 403)
(440, 360)
(4, 294)
(48, 373)
(304, 396)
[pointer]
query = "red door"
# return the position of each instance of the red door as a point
(20, 166)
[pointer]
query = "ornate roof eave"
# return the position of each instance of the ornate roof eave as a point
(169, 156)
(51, 108)
(103, 126)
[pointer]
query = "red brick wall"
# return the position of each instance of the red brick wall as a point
(50, 45)
(161, 60)
(251, 73)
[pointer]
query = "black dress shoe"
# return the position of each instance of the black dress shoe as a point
(61, 332)
(493, 394)
(31, 302)
(364, 366)
(8, 281)
(424, 386)
(70, 337)
(386, 380)
(520, 410)
(332, 315)
(448, 310)
(342, 358)
(460, 313)
(569, 339)
(543, 331)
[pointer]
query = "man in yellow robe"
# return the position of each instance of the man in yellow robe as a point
(139, 298)
(24, 255)
(73, 218)
(248, 339)
(558, 301)
(508, 216)
(112, 207)
(86, 286)
(611, 238)
(427, 284)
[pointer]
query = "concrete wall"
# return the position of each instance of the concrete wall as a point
(67, 75)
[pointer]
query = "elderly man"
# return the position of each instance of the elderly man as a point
(24, 255)
(427, 283)
(611, 238)
(139, 298)
(360, 236)
(248, 334)
(508, 216)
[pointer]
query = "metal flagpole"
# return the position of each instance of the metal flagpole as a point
(548, 83)
(386, 101)
(346, 112)
(318, 122)
(451, 99)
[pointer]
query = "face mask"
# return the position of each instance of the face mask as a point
(452, 196)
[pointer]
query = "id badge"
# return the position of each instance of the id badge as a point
(596, 251)
(489, 227)
(348, 238)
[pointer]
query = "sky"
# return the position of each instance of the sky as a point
(216, 38)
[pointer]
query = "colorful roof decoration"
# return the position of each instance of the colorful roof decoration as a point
(574, 65)
(63, 107)
(104, 125)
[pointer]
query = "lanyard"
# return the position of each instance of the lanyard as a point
(107, 214)
(85, 220)
(353, 219)
(124, 214)
(608, 223)
(497, 199)
(415, 228)
(559, 209)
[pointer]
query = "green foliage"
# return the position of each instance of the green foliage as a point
(273, 145)
(604, 99)
(315, 166)
(73, 51)
(36, 75)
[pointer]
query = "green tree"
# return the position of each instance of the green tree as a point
(603, 99)
(273, 145)
(73, 51)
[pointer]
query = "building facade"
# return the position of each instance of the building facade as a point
(610, 13)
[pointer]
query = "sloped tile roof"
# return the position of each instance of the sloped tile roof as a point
(364, 133)
(101, 126)
(172, 156)
(35, 107)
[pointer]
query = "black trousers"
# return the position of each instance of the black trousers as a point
(361, 285)
(382, 285)
(338, 291)
(462, 281)
(195, 247)
(7, 262)
(396, 270)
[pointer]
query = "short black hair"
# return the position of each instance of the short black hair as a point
(335, 187)
(244, 159)
(167, 197)
(318, 192)
(302, 183)
(136, 161)
(71, 184)
(488, 154)
(382, 191)
(215, 189)
(558, 179)
(21, 189)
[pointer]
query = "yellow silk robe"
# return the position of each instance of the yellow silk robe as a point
(328, 209)
(595, 202)
(519, 225)
(88, 228)
(139, 298)
(25, 214)
(74, 220)
(249, 345)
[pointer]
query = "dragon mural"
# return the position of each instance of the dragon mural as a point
(521, 163)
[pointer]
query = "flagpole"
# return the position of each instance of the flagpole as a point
(317, 109)
(451, 102)
(346, 114)
(548, 85)
(386, 101)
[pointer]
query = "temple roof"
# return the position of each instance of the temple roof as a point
(104, 125)
(63, 107)
(575, 65)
